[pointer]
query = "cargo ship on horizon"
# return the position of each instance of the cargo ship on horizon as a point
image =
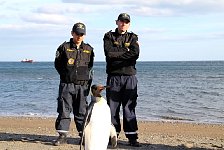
(27, 60)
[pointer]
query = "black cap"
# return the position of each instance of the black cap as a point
(79, 28)
(124, 16)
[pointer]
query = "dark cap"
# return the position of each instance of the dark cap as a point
(79, 28)
(124, 16)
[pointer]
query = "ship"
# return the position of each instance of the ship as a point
(27, 60)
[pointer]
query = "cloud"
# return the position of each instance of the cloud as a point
(45, 19)
(61, 13)
(158, 23)
(183, 37)
(161, 7)
(65, 9)
(101, 2)
(50, 9)
(149, 11)
(2, 2)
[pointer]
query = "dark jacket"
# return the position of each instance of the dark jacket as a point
(121, 51)
(72, 64)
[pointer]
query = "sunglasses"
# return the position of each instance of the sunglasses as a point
(79, 34)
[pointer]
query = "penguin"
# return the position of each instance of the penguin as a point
(98, 129)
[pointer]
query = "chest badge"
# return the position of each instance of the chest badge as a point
(126, 44)
(116, 43)
(71, 61)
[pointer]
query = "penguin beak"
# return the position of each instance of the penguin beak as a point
(97, 89)
(100, 88)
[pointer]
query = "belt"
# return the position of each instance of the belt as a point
(81, 82)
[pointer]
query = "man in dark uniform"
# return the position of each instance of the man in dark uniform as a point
(74, 62)
(122, 50)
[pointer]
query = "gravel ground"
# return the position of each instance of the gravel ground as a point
(30, 133)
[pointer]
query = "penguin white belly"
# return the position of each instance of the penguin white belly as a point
(97, 132)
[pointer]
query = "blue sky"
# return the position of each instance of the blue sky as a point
(168, 30)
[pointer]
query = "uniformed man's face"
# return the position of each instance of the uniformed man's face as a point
(77, 38)
(123, 25)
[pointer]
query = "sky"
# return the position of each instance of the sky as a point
(168, 30)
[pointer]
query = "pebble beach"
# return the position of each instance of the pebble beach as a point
(36, 133)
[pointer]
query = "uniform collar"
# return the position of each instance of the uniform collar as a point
(116, 31)
(73, 45)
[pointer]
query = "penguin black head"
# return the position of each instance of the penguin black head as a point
(97, 89)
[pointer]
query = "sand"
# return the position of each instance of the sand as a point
(35, 133)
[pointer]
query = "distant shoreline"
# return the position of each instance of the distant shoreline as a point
(139, 119)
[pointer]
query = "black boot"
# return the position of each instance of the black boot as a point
(134, 143)
(61, 139)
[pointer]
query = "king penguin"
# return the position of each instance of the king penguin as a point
(97, 128)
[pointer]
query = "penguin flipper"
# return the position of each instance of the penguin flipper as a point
(86, 121)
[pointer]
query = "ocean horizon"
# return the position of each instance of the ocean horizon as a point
(185, 91)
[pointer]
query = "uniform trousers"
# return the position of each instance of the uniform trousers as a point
(72, 98)
(123, 91)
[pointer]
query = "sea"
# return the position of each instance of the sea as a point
(184, 91)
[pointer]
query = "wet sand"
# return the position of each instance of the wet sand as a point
(34, 133)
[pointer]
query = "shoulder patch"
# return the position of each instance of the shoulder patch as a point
(57, 54)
